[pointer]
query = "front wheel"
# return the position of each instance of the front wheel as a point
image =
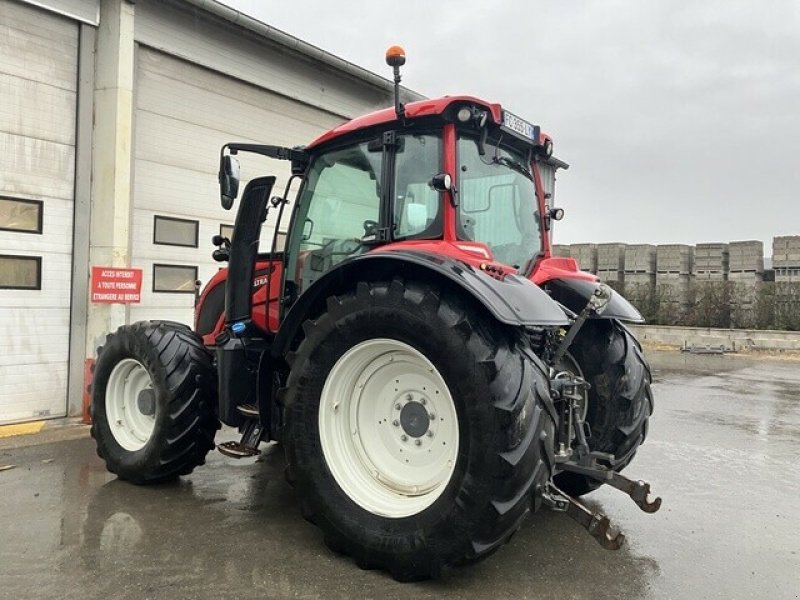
(153, 399)
(418, 429)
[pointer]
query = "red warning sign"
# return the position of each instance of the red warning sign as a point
(116, 286)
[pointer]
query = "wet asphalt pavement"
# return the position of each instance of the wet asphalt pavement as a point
(723, 452)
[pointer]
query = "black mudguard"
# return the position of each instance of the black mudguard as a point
(575, 293)
(244, 249)
(511, 300)
(237, 358)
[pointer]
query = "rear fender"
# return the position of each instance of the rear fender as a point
(575, 293)
(558, 267)
(210, 308)
(510, 299)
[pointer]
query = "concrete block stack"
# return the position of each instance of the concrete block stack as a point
(674, 267)
(560, 250)
(675, 259)
(723, 284)
(611, 263)
(746, 261)
(786, 265)
(711, 261)
(640, 265)
(586, 255)
(786, 258)
(746, 272)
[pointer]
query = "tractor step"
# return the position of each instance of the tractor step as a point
(234, 449)
(252, 433)
(248, 410)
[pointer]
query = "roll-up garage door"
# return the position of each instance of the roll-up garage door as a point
(38, 81)
(184, 113)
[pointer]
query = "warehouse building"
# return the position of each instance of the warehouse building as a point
(112, 114)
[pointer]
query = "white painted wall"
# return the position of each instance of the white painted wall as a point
(244, 55)
(86, 11)
(38, 82)
(184, 113)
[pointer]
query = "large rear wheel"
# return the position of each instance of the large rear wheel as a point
(153, 402)
(417, 428)
(619, 402)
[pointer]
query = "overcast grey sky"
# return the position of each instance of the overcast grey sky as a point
(680, 120)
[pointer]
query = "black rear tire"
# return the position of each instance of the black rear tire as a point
(500, 390)
(620, 400)
(184, 382)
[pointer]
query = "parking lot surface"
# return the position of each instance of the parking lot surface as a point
(722, 452)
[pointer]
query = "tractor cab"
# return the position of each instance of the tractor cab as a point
(455, 176)
(457, 169)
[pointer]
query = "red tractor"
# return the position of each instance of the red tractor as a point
(431, 371)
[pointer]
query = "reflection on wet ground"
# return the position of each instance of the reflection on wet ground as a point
(722, 452)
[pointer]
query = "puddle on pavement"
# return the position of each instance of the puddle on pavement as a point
(721, 452)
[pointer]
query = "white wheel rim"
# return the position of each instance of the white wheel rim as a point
(129, 425)
(392, 459)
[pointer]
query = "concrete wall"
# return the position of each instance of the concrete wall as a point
(736, 339)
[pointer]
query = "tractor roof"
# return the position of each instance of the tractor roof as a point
(413, 110)
(420, 109)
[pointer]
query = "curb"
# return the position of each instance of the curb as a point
(21, 429)
(41, 432)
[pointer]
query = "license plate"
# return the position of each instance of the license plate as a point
(520, 126)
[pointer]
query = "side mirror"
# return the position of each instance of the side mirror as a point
(228, 181)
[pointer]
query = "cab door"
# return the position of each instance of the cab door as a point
(339, 209)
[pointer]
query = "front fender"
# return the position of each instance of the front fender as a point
(512, 300)
(575, 293)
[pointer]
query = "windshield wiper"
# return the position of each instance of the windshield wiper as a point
(513, 164)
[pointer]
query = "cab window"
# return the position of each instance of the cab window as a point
(497, 202)
(416, 203)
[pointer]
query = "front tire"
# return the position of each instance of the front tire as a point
(412, 508)
(620, 400)
(153, 400)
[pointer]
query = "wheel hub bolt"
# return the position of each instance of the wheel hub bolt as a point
(424, 402)
(430, 433)
(409, 397)
(404, 437)
(397, 406)
(396, 423)
(431, 416)
(418, 442)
